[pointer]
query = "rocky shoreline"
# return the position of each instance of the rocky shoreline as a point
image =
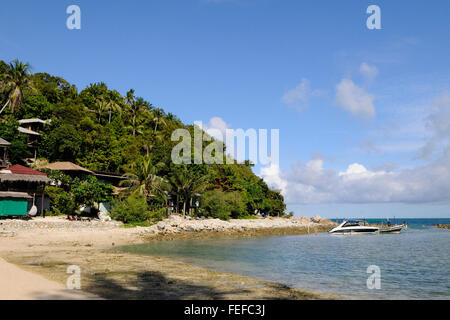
(174, 227)
(442, 226)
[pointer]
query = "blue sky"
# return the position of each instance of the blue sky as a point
(340, 94)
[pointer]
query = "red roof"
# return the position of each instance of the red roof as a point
(18, 169)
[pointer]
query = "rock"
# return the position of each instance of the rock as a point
(317, 219)
(305, 220)
(161, 225)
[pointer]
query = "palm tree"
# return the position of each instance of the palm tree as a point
(136, 108)
(145, 179)
(185, 184)
(150, 139)
(113, 106)
(14, 82)
(130, 98)
(158, 117)
(101, 106)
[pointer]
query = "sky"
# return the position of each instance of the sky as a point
(364, 115)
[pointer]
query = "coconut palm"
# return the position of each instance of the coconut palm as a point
(135, 109)
(113, 106)
(145, 179)
(185, 184)
(101, 107)
(14, 82)
(158, 117)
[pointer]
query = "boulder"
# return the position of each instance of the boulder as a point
(161, 225)
(317, 219)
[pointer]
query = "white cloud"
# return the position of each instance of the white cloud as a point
(272, 176)
(216, 128)
(299, 96)
(313, 183)
(355, 99)
(368, 72)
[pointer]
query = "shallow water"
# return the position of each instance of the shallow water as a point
(414, 264)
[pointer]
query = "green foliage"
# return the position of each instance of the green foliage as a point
(102, 130)
(62, 144)
(18, 149)
(158, 214)
(59, 177)
(90, 191)
(138, 224)
(222, 205)
(132, 209)
(62, 202)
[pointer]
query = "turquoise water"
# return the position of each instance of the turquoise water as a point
(414, 264)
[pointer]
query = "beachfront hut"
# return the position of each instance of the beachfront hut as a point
(21, 179)
(69, 168)
(4, 145)
(14, 204)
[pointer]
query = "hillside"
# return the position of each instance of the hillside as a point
(101, 130)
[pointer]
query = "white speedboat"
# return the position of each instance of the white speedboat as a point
(353, 228)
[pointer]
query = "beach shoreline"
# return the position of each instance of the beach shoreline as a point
(48, 246)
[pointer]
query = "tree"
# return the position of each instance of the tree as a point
(18, 149)
(62, 143)
(145, 179)
(88, 192)
(133, 209)
(135, 108)
(222, 205)
(186, 183)
(113, 104)
(14, 82)
(158, 117)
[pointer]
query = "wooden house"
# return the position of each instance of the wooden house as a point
(21, 179)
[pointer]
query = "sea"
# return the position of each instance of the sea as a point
(414, 264)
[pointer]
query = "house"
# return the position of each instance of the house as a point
(32, 128)
(74, 171)
(4, 145)
(20, 179)
(69, 168)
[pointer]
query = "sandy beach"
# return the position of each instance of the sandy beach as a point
(36, 255)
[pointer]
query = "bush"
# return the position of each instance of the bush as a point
(62, 202)
(222, 205)
(132, 209)
(158, 214)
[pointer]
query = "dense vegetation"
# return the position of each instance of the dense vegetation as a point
(102, 130)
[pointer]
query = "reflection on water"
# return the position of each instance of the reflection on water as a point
(414, 264)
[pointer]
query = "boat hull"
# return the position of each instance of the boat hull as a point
(394, 229)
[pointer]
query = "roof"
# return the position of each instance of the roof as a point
(26, 121)
(11, 177)
(109, 175)
(18, 169)
(66, 166)
(4, 143)
(10, 194)
(26, 131)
